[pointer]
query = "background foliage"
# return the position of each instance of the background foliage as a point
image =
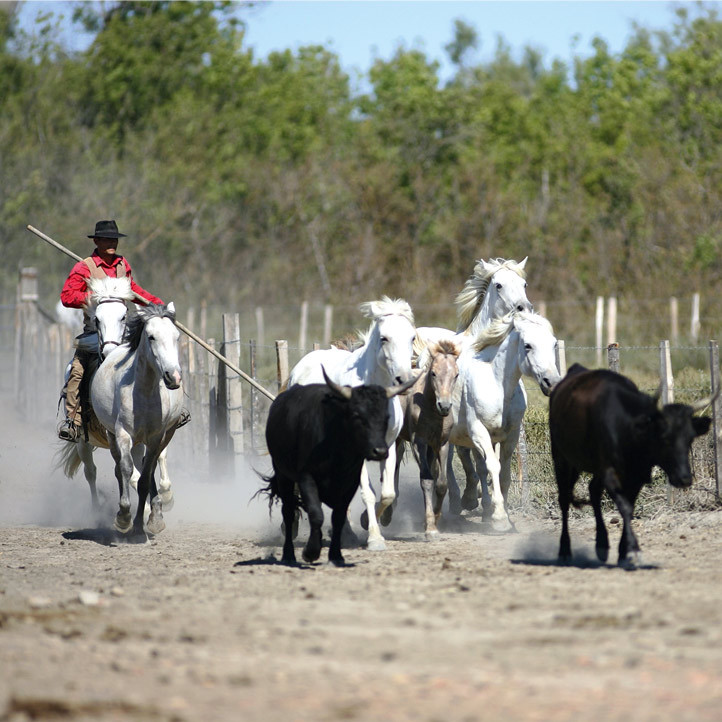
(251, 182)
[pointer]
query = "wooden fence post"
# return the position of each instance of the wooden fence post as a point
(230, 392)
(612, 320)
(304, 327)
(694, 321)
(674, 319)
(327, 324)
(282, 369)
(665, 372)
(613, 357)
(716, 412)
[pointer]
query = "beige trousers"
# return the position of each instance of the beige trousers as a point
(72, 388)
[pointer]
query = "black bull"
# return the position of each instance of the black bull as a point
(318, 437)
(599, 422)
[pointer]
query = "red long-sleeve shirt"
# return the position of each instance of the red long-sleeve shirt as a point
(75, 289)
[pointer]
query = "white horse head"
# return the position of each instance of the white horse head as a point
(391, 337)
(494, 289)
(531, 340)
(107, 310)
(152, 333)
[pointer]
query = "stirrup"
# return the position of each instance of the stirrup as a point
(68, 431)
(185, 417)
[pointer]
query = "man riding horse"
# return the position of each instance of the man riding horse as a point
(104, 261)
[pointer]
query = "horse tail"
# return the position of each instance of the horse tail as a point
(68, 458)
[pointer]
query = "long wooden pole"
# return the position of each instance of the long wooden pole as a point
(143, 302)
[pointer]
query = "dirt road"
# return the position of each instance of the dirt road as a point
(202, 622)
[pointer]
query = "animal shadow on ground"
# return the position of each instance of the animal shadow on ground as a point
(540, 550)
(104, 536)
(580, 561)
(271, 560)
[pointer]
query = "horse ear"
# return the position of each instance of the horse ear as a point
(171, 307)
(521, 264)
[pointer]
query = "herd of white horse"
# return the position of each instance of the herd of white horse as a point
(468, 394)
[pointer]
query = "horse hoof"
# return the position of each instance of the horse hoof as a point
(432, 536)
(155, 525)
(501, 526)
(455, 508)
(365, 520)
(633, 560)
(376, 545)
(469, 504)
(602, 554)
(122, 526)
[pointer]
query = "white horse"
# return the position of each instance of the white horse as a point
(137, 396)
(384, 359)
(490, 401)
(107, 311)
(495, 288)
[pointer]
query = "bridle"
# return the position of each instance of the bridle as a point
(101, 342)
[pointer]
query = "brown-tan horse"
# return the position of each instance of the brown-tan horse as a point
(426, 426)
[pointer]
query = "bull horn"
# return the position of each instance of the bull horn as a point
(343, 391)
(392, 391)
(705, 402)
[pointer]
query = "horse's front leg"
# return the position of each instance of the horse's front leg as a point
(426, 478)
(441, 485)
(375, 541)
(482, 441)
(166, 493)
(120, 449)
(388, 487)
(386, 516)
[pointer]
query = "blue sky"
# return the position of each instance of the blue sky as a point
(359, 31)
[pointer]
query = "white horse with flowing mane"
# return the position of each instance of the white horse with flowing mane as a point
(490, 401)
(384, 359)
(495, 288)
(137, 395)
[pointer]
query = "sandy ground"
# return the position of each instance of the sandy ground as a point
(203, 623)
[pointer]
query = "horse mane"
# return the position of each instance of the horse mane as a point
(500, 328)
(349, 342)
(104, 289)
(468, 301)
(424, 352)
(136, 324)
(387, 307)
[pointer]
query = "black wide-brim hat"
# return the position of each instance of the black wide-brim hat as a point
(107, 229)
